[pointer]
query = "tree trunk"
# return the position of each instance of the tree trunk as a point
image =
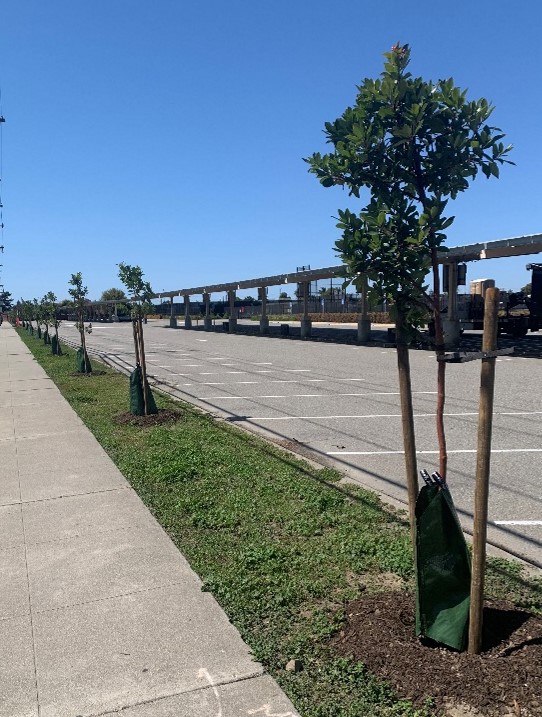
(143, 365)
(407, 418)
(441, 368)
(83, 342)
(57, 339)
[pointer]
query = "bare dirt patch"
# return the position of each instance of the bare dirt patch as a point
(164, 415)
(505, 679)
(90, 374)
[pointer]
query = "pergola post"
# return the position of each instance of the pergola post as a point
(264, 319)
(187, 317)
(233, 311)
(172, 317)
(306, 323)
(364, 323)
(450, 322)
(207, 321)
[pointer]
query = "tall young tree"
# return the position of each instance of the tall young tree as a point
(51, 319)
(79, 294)
(414, 145)
(132, 278)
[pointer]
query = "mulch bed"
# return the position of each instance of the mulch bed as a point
(164, 415)
(505, 679)
(94, 372)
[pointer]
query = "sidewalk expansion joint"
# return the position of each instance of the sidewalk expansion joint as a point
(110, 597)
(73, 495)
(144, 525)
(50, 434)
(211, 686)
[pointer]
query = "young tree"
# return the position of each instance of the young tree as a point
(79, 293)
(50, 319)
(132, 278)
(6, 302)
(26, 311)
(414, 145)
(36, 315)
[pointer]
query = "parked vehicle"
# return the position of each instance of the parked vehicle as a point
(518, 312)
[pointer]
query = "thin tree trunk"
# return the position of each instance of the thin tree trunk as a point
(143, 365)
(441, 368)
(407, 418)
(59, 352)
(83, 342)
(136, 341)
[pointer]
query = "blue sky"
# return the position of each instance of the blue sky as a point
(171, 134)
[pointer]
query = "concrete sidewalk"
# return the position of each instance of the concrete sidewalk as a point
(99, 612)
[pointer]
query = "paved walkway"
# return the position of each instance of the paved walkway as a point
(99, 612)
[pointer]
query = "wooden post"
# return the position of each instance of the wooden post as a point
(136, 341)
(407, 419)
(483, 459)
(83, 342)
(143, 365)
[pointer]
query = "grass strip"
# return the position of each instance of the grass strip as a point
(280, 544)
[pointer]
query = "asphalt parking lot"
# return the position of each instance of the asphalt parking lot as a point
(340, 404)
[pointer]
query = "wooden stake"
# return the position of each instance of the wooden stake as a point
(83, 341)
(407, 419)
(136, 341)
(483, 459)
(143, 365)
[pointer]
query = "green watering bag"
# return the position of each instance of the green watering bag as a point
(443, 570)
(83, 361)
(137, 404)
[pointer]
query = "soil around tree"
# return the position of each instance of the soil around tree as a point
(88, 374)
(505, 679)
(164, 415)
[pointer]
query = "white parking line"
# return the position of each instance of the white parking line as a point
(250, 398)
(388, 415)
(316, 395)
(516, 522)
(297, 370)
(218, 373)
(263, 363)
(435, 453)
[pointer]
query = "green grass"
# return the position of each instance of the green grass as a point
(277, 541)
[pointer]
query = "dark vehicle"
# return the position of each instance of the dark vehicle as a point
(518, 313)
